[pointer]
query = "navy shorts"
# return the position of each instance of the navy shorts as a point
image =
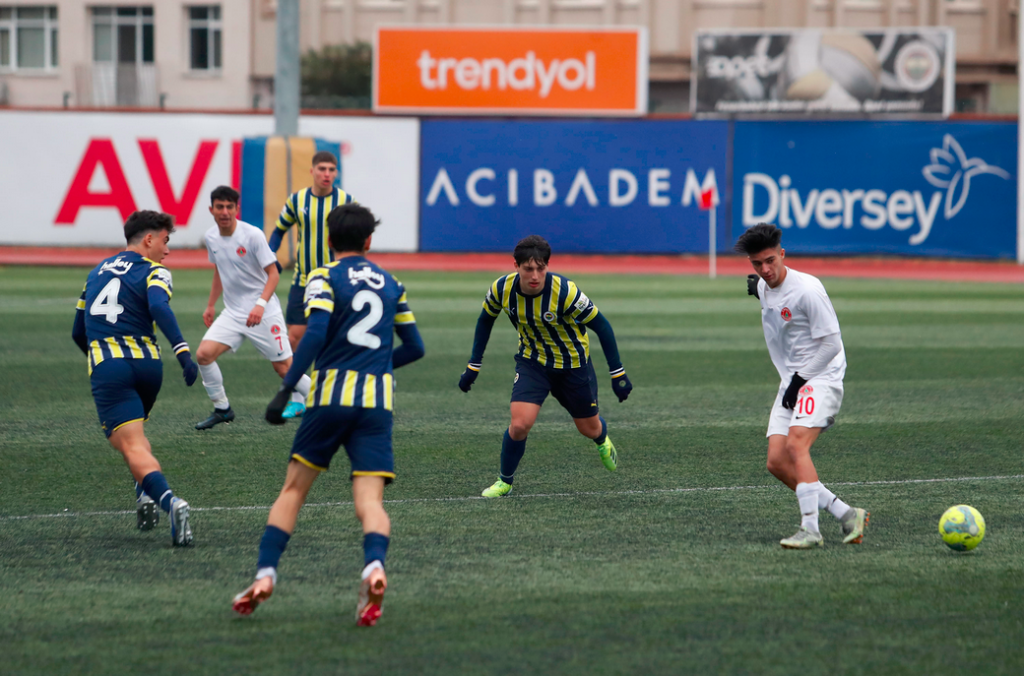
(295, 313)
(364, 432)
(125, 390)
(575, 389)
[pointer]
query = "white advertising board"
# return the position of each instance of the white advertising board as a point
(70, 178)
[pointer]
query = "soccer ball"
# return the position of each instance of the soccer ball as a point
(962, 527)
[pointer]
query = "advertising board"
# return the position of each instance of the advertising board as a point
(70, 178)
(912, 188)
(893, 71)
(586, 186)
(511, 70)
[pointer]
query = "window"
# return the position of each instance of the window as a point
(28, 38)
(122, 35)
(204, 34)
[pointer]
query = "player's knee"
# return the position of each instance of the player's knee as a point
(281, 367)
(205, 357)
(796, 449)
(519, 429)
(589, 427)
(776, 466)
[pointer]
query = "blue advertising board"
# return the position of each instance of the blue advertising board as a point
(909, 188)
(585, 186)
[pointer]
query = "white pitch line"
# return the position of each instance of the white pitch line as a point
(652, 491)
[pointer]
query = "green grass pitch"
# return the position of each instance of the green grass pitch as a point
(671, 565)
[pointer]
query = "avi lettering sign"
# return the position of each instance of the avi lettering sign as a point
(919, 188)
(537, 71)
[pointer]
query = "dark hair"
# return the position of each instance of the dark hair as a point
(224, 194)
(532, 248)
(141, 222)
(758, 238)
(350, 225)
(325, 156)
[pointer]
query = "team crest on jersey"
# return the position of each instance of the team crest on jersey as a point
(807, 389)
(786, 314)
(516, 379)
(549, 317)
(240, 251)
(275, 330)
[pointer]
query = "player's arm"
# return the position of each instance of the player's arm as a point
(412, 347)
(601, 327)
(828, 349)
(78, 330)
(288, 218)
(216, 288)
(484, 325)
(319, 302)
(256, 314)
(158, 291)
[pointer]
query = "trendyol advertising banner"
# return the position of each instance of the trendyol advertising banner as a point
(586, 186)
(525, 71)
(72, 178)
(918, 188)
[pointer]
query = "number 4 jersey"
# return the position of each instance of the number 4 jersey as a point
(366, 303)
(115, 299)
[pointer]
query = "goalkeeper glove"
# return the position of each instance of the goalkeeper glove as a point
(752, 285)
(468, 377)
(275, 408)
(190, 370)
(621, 385)
(793, 391)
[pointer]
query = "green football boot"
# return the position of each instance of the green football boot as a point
(497, 489)
(803, 539)
(608, 455)
(855, 521)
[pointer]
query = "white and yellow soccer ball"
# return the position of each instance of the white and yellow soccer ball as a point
(962, 527)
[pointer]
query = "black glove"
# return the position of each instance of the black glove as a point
(468, 377)
(188, 367)
(276, 406)
(752, 285)
(622, 387)
(793, 391)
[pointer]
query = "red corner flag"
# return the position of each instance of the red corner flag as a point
(707, 199)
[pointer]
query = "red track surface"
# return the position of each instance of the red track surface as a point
(864, 268)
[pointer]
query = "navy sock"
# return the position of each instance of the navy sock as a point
(604, 432)
(375, 548)
(155, 486)
(272, 546)
(138, 490)
(511, 453)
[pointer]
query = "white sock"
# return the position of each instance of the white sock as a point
(267, 572)
(828, 500)
(807, 496)
(302, 389)
(213, 381)
(372, 566)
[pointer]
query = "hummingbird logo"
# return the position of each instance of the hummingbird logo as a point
(951, 170)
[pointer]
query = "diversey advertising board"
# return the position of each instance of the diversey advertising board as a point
(917, 188)
(586, 186)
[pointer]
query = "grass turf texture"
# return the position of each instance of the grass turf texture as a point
(651, 569)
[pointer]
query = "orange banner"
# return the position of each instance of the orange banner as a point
(539, 71)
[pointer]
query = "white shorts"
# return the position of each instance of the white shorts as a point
(269, 337)
(817, 406)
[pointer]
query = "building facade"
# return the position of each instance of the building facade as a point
(219, 54)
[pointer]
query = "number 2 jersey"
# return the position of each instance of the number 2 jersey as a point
(366, 303)
(115, 300)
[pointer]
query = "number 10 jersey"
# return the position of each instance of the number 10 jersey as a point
(366, 303)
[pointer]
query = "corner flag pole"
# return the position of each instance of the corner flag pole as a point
(712, 263)
(1020, 134)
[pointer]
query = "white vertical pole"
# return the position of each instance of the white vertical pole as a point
(712, 271)
(1020, 133)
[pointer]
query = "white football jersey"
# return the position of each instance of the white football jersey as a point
(240, 260)
(796, 315)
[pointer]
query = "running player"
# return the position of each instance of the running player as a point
(354, 308)
(309, 208)
(114, 325)
(246, 272)
(804, 342)
(552, 316)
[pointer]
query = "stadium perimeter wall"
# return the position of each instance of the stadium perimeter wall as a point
(914, 188)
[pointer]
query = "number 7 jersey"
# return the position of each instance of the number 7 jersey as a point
(366, 303)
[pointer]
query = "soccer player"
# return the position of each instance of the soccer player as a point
(804, 342)
(551, 315)
(354, 309)
(246, 272)
(309, 208)
(114, 326)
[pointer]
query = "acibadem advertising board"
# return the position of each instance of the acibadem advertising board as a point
(895, 71)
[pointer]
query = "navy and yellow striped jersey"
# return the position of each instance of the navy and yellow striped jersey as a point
(551, 325)
(313, 244)
(366, 303)
(115, 300)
